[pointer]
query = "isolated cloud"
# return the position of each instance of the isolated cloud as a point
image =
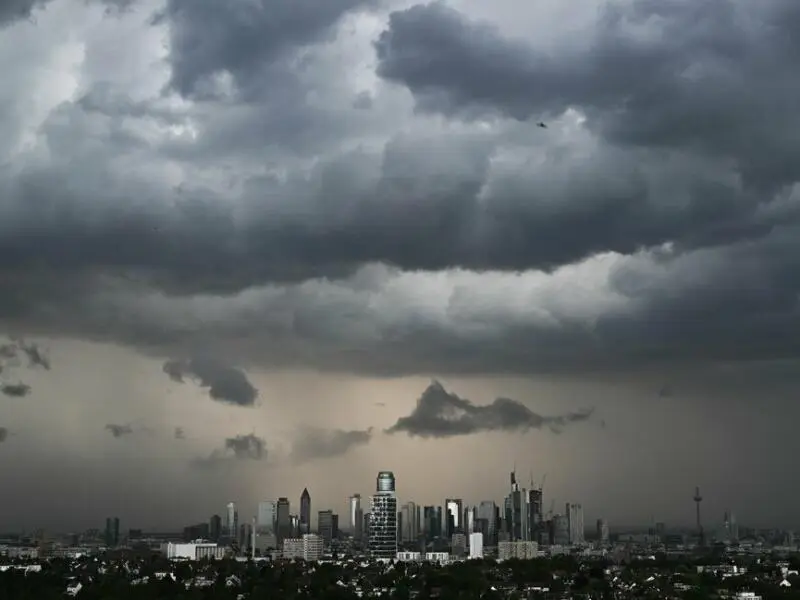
(441, 414)
(15, 390)
(225, 383)
(312, 443)
(119, 431)
(242, 447)
(247, 447)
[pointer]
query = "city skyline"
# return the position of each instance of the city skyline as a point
(249, 250)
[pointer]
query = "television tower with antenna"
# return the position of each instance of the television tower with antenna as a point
(697, 500)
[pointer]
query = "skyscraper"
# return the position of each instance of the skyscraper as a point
(575, 521)
(231, 521)
(383, 518)
(265, 521)
(454, 513)
(305, 512)
(283, 520)
(535, 517)
(325, 525)
(355, 517)
(410, 521)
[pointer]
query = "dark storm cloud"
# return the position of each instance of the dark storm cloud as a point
(247, 447)
(14, 10)
(225, 383)
(15, 390)
(243, 447)
(118, 430)
(441, 414)
(242, 38)
(315, 443)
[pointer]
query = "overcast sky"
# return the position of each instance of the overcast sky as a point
(257, 245)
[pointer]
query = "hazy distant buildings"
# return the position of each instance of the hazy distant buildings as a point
(602, 531)
(383, 518)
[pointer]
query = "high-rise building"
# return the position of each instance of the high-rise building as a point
(305, 512)
(383, 518)
(476, 545)
(487, 513)
(410, 522)
(215, 528)
(575, 523)
(325, 525)
(112, 532)
(231, 520)
(431, 522)
(602, 531)
(355, 518)
(535, 516)
(283, 519)
(265, 521)
(454, 513)
(514, 511)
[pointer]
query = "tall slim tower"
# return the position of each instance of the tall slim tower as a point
(697, 500)
(383, 518)
(305, 511)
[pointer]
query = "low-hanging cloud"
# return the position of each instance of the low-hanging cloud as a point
(242, 447)
(224, 382)
(119, 430)
(312, 443)
(441, 414)
(15, 390)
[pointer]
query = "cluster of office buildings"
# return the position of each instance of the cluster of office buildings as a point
(386, 530)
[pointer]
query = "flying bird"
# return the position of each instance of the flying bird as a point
(542, 125)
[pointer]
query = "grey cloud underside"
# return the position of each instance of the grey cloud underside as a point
(225, 383)
(209, 38)
(441, 414)
(690, 138)
(15, 390)
(118, 430)
(315, 443)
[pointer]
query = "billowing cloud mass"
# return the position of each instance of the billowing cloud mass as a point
(440, 414)
(15, 390)
(453, 237)
(313, 443)
(225, 383)
(118, 430)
